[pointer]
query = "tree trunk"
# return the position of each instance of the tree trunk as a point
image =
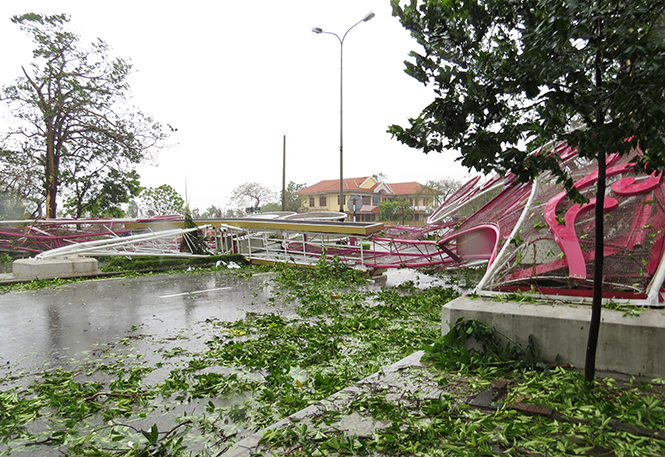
(597, 304)
(51, 174)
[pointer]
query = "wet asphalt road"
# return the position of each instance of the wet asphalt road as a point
(49, 327)
(139, 321)
(65, 325)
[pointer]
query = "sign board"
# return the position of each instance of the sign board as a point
(355, 203)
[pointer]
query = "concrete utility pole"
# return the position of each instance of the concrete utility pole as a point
(284, 176)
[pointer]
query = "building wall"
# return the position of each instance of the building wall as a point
(421, 204)
(330, 204)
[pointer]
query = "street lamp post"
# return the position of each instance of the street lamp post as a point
(341, 104)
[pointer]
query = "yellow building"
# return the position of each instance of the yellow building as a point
(324, 196)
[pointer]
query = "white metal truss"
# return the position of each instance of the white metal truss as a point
(161, 243)
(294, 246)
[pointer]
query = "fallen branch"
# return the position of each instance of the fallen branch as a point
(486, 400)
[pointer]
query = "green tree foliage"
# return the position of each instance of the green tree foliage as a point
(387, 210)
(213, 212)
(395, 210)
(511, 75)
(193, 242)
(93, 196)
(233, 213)
(21, 184)
(159, 201)
(271, 207)
(379, 177)
(404, 210)
(293, 200)
(74, 131)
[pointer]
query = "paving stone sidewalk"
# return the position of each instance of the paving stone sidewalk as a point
(402, 383)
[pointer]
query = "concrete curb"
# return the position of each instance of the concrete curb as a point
(250, 445)
(630, 344)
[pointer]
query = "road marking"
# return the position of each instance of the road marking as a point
(194, 292)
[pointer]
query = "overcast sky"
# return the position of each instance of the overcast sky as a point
(235, 77)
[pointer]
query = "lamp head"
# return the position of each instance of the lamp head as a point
(369, 16)
(317, 30)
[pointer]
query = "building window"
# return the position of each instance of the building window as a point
(322, 201)
(376, 199)
(344, 202)
(311, 202)
(367, 200)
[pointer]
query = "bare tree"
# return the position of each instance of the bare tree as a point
(439, 190)
(251, 194)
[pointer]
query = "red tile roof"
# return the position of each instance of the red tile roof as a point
(332, 185)
(405, 188)
(353, 184)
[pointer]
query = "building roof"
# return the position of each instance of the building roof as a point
(354, 184)
(332, 185)
(405, 188)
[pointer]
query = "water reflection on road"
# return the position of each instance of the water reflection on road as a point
(49, 327)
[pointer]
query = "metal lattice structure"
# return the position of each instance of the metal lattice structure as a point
(162, 243)
(551, 248)
(532, 239)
